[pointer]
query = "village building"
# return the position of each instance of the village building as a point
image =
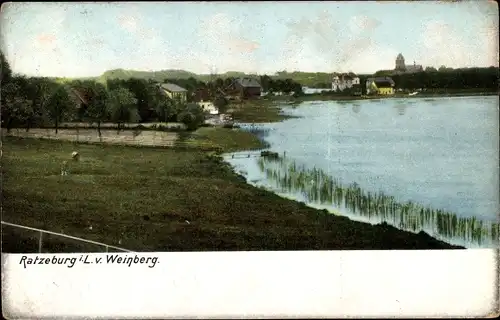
(201, 96)
(342, 81)
(174, 92)
(401, 67)
(247, 88)
(380, 86)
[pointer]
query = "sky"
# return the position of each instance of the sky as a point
(85, 39)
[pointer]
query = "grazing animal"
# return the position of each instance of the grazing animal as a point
(75, 156)
(64, 168)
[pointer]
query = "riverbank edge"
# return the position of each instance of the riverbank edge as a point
(402, 239)
(334, 214)
(266, 146)
(335, 97)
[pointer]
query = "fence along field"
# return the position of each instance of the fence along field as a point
(43, 241)
(23, 239)
(125, 137)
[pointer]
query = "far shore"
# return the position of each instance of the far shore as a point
(336, 97)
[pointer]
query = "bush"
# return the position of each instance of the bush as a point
(193, 116)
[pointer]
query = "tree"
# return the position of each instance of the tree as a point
(287, 85)
(122, 106)
(265, 82)
(219, 83)
(430, 69)
(60, 106)
(96, 111)
(228, 82)
(16, 109)
(141, 91)
(297, 89)
(42, 92)
(113, 84)
(165, 108)
(221, 104)
(6, 72)
(444, 69)
(192, 116)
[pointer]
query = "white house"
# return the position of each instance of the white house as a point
(342, 81)
(208, 107)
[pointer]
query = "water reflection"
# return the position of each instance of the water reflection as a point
(356, 108)
(401, 108)
(318, 187)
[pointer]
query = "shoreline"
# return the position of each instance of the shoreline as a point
(291, 225)
(337, 214)
(280, 108)
(269, 110)
(333, 97)
(238, 146)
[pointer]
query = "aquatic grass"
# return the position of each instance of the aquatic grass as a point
(320, 188)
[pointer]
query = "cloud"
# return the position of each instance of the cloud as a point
(133, 23)
(442, 44)
(242, 45)
(45, 39)
(55, 50)
(372, 57)
(224, 35)
(360, 24)
(128, 23)
(147, 40)
(328, 41)
(488, 38)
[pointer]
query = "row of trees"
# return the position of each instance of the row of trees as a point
(280, 85)
(268, 84)
(40, 102)
(447, 78)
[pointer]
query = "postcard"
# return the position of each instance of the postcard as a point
(250, 159)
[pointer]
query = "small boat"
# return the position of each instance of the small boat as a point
(413, 93)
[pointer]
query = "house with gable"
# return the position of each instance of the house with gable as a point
(380, 86)
(174, 92)
(343, 81)
(247, 88)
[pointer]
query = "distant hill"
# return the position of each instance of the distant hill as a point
(310, 79)
(160, 76)
(304, 78)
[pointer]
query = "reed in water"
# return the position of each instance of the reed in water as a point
(321, 188)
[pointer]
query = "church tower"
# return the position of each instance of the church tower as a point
(400, 62)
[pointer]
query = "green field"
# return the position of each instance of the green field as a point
(223, 139)
(153, 199)
(258, 111)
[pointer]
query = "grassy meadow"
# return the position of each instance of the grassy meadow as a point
(223, 139)
(163, 199)
(257, 111)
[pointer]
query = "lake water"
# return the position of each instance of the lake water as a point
(419, 164)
